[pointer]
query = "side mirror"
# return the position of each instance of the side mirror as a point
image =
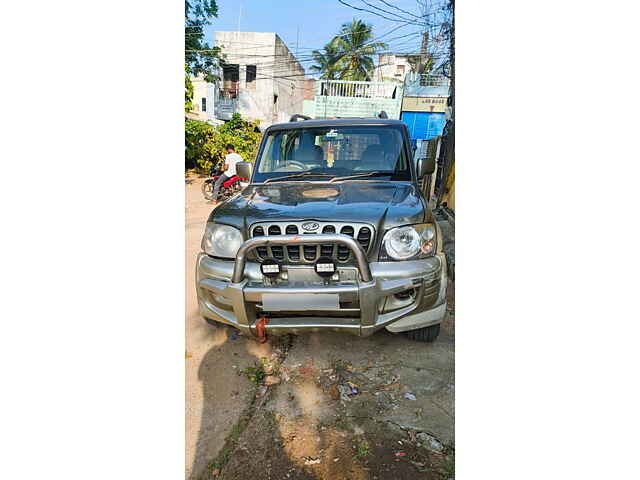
(426, 166)
(244, 169)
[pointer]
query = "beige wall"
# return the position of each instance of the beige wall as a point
(391, 68)
(309, 89)
(424, 104)
(199, 92)
(290, 89)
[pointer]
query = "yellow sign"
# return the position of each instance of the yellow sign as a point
(424, 104)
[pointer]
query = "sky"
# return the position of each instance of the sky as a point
(312, 23)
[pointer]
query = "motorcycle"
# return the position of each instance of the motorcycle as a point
(229, 188)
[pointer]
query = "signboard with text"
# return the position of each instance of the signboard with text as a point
(424, 104)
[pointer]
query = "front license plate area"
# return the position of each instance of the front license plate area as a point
(284, 302)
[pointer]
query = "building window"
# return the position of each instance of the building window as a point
(230, 83)
(204, 104)
(251, 76)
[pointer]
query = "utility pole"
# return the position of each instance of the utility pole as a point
(239, 17)
(297, 38)
(424, 47)
(423, 52)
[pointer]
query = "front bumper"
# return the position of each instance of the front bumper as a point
(234, 298)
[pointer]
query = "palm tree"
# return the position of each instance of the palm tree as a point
(354, 60)
(325, 61)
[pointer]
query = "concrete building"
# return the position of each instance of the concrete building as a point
(424, 105)
(309, 98)
(261, 79)
(341, 98)
(204, 95)
(392, 67)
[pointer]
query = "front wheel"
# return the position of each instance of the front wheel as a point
(207, 189)
(424, 334)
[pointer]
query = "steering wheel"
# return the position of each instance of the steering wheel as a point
(299, 166)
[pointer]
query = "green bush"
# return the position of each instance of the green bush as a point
(197, 135)
(205, 145)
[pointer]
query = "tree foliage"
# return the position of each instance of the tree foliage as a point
(199, 56)
(326, 62)
(188, 90)
(197, 134)
(205, 144)
(349, 56)
(355, 50)
(422, 63)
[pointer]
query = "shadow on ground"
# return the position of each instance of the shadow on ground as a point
(341, 407)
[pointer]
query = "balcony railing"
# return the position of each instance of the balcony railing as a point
(342, 88)
(343, 99)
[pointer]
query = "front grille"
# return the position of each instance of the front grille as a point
(363, 233)
(262, 251)
(278, 251)
(327, 250)
(344, 252)
(293, 252)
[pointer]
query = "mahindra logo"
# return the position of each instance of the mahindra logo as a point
(310, 226)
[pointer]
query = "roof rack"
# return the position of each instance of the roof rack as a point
(296, 117)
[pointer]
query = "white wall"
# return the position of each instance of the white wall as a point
(387, 68)
(200, 90)
(272, 59)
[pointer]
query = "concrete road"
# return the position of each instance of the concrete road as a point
(217, 392)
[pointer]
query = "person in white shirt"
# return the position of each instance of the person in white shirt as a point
(229, 169)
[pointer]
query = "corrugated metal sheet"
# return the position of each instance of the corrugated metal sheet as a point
(424, 125)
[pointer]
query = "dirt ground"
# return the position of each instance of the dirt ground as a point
(316, 406)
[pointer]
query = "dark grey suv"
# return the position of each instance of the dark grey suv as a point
(332, 233)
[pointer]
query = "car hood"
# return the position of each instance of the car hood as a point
(382, 204)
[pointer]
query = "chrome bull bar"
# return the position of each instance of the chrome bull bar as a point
(347, 241)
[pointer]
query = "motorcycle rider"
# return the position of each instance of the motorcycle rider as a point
(229, 168)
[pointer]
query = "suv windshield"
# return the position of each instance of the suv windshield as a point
(324, 153)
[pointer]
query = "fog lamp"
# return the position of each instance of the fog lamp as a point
(325, 267)
(270, 268)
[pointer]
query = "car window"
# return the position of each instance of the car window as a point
(335, 151)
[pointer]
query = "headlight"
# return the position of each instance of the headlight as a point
(221, 240)
(410, 242)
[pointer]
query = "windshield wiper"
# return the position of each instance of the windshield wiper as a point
(368, 174)
(299, 175)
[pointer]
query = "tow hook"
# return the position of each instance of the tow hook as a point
(261, 329)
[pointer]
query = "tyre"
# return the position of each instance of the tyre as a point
(424, 334)
(207, 190)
